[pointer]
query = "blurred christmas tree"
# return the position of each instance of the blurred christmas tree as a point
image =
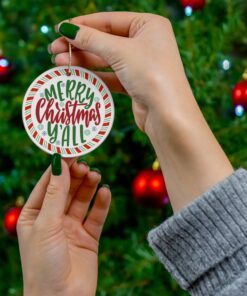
(213, 45)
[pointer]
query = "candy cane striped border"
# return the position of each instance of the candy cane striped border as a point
(84, 148)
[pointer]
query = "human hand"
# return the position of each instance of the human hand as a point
(58, 241)
(141, 50)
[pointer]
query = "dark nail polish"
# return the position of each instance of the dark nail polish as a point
(49, 49)
(82, 161)
(106, 186)
(53, 58)
(56, 165)
(68, 30)
(95, 170)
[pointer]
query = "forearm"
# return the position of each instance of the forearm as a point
(204, 246)
(191, 159)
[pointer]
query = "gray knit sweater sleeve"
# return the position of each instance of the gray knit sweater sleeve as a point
(204, 246)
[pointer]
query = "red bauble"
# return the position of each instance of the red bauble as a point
(194, 4)
(239, 94)
(6, 69)
(149, 188)
(10, 220)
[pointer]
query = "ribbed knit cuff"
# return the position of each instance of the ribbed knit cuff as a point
(203, 246)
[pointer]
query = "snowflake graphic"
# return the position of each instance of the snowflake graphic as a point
(40, 127)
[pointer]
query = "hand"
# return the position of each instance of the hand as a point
(58, 242)
(141, 50)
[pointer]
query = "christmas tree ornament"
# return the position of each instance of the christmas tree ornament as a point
(10, 220)
(191, 5)
(239, 96)
(149, 188)
(12, 215)
(68, 110)
(6, 69)
(245, 75)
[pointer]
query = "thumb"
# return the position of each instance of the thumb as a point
(57, 190)
(92, 40)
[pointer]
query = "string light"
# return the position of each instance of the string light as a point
(188, 11)
(239, 110)
(44, 29)
(226, 64)
(4, 63)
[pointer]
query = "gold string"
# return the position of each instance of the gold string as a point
(70, 58)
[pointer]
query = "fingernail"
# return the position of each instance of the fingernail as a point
(68, 30)
(56, 165)
(82, 161)
(106, 186)
(49, 48)
(53, 58)
(95, 170)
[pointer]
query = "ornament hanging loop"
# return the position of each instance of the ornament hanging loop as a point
(70, 58)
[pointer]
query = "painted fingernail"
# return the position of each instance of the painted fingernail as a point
(53, 59)
(49, 48)
(56, 165)
(68, 30)
(106, 186)
(95, 170)
(82, 161)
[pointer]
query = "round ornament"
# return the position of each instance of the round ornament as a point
(149, 188)
(10, 220)
(6, 69)
(70, 113)
(194, 4)
(240, 94)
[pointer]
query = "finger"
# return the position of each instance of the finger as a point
(116, 23)
(69, 161)
(77, 172)
(37, 195)
(89, 39)
(80, 58)
(56, 193)
(80, 203)
(59, 45)
(97, 216)
(112, 81)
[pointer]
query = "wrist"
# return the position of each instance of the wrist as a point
(187, 150)
(32, 290)
(173, 121)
